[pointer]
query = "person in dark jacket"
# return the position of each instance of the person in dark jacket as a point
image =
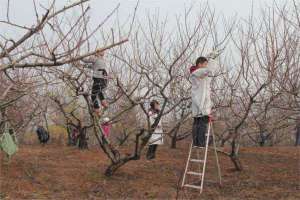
(43, 135)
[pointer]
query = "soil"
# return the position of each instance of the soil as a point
(62, 172)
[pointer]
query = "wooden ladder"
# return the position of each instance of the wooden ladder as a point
(201, 162)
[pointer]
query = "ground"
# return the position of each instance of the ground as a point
(61, 172)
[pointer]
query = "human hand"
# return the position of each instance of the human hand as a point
(104, 103)
(214, 54)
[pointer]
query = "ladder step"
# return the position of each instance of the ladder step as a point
(192, 186)
(197, 147)
(197, 160)
(194, 173)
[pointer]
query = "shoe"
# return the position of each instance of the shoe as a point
(150, 157)
(199, 146)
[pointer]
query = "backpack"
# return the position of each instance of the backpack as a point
(7, 144)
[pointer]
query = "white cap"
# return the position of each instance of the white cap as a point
(105, 119)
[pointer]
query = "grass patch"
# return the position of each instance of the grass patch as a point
(95, 175)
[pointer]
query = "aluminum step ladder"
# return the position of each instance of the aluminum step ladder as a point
(201, 162)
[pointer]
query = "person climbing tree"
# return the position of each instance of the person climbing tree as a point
(100, 77)
(43, 135)
(106, 126)
(200, 76)
(157, 136)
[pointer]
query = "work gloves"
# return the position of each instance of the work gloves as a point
(214, 54)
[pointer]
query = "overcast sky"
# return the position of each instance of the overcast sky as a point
(22, 10)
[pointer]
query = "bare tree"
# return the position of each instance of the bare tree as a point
(27, 63)
(258, 77)
(266, 60)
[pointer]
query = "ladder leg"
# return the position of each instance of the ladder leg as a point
(216, 155)
(210, 133)
(199, 158)
(205, 156)
(187, 165)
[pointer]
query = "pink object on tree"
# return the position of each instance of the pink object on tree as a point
(106, 127)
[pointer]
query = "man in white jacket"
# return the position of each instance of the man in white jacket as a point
(200, 77)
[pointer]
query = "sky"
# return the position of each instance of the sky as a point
(21, 11)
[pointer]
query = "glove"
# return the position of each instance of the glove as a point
(214, 54)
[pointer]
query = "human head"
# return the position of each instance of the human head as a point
(100, 53)
(155, 105)
(201, 62)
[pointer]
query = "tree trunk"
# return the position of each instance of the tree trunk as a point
(71, 141)
(234, 156)
(113, 168)
(82, 139)
(116, 165)
(262, 141)
(174, 138)
(297, 143)
(173, 143)
(237, 163)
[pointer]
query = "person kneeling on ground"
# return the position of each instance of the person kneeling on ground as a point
(43, 135)
(200, 77)
(157, 136)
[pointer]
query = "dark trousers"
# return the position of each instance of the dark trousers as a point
(97, 91)
(151, 151)
(199, 130)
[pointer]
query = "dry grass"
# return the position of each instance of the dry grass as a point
(58, 134)
(60, 172)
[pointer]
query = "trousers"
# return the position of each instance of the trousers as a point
(199, 130)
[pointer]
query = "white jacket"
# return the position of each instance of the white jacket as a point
(157, 136)
(200, 80)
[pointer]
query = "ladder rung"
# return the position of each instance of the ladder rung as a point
(192, 186)
(194, 173)
(197, 160)
(197, 147)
